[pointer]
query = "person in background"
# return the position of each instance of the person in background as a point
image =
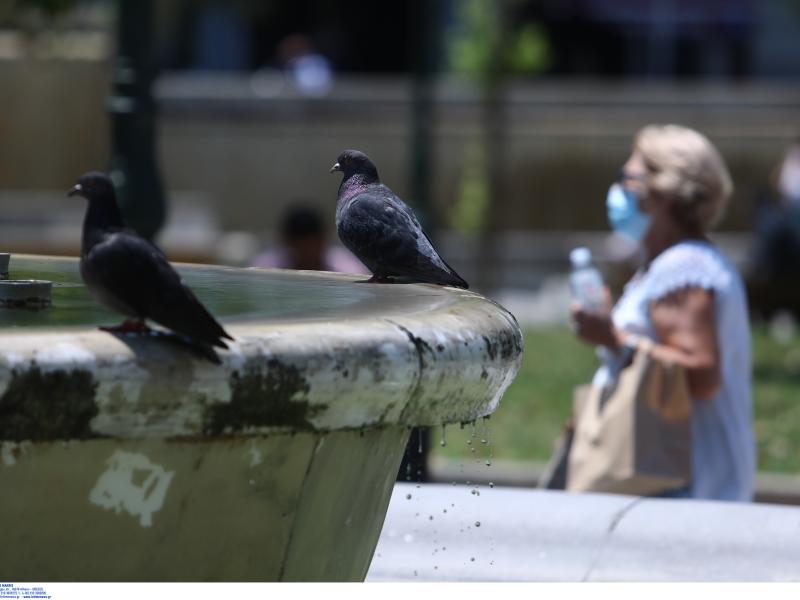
(773, 282)
(687, 297)
(305, 246)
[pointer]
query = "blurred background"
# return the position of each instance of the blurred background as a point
(501, 122)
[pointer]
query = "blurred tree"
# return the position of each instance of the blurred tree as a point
(487, 45)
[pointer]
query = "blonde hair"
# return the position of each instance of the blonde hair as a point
(684, 165)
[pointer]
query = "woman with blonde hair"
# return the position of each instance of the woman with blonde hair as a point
(687, 297)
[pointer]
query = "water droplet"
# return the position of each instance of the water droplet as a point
(442, 442)
(444, 510)
(408, 496)
(483, 441)
(415, 573)
(488, 462)
(419, 445)
(430, 518)
(491, 484)
(444, 548)
(477, 523)
(454, 483)
(453, 505)
(435, 567)
(472, 559)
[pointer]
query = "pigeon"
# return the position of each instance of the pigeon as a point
(382, 231)
(130, 275)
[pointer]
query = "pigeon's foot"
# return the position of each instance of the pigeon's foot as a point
(129, 326)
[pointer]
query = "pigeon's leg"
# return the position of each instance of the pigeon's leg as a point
(128, 326)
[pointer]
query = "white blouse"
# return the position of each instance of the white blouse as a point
(723, 445)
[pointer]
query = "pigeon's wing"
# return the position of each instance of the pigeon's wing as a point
(382, 231)
(137, 274)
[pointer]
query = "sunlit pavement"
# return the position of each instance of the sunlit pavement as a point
(462, 533)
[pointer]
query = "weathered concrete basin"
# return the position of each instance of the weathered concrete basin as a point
(129, 458)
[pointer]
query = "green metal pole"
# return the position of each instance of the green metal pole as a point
(134, 168)
(425, 25)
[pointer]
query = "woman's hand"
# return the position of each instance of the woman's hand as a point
(595, 326)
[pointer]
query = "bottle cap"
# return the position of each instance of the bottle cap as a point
(580, 257)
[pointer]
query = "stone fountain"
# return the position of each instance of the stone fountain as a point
(133, 459)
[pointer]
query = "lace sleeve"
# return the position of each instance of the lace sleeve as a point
(687, 265)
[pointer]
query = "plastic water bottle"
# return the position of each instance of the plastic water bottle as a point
(586, 281)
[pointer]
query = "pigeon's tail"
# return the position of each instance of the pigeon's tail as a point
(436, 275)
(189, 317)
(457, 281)
(210, 331)
(448, 277)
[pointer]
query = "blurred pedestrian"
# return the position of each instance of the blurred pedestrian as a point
(305, 246)
(687, 298)
(772, 280)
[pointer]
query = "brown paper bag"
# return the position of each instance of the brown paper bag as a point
(634, 438)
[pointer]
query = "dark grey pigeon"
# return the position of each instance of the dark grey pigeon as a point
(382, 231)
(129, 275)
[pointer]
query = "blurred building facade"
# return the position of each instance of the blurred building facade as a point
(239, 136)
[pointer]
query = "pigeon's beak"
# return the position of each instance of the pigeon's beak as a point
(76, 190)
(336, 167)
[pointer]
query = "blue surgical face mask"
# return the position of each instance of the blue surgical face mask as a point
(624, 215)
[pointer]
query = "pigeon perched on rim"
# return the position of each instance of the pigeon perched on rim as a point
(130, 275)
(382, 231)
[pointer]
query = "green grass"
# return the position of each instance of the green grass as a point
(776, 395)
(537, 404)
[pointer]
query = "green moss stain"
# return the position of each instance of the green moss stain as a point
(263, 396)
(505, 344)
(49, 405)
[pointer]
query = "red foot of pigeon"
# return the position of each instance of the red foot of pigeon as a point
(128, 326)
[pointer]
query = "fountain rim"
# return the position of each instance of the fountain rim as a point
(450, 364)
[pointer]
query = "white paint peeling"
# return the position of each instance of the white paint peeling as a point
(12, 359)
(65, 353)
(256, 457)
(10, 450)
(7, 455)
(134, 484)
